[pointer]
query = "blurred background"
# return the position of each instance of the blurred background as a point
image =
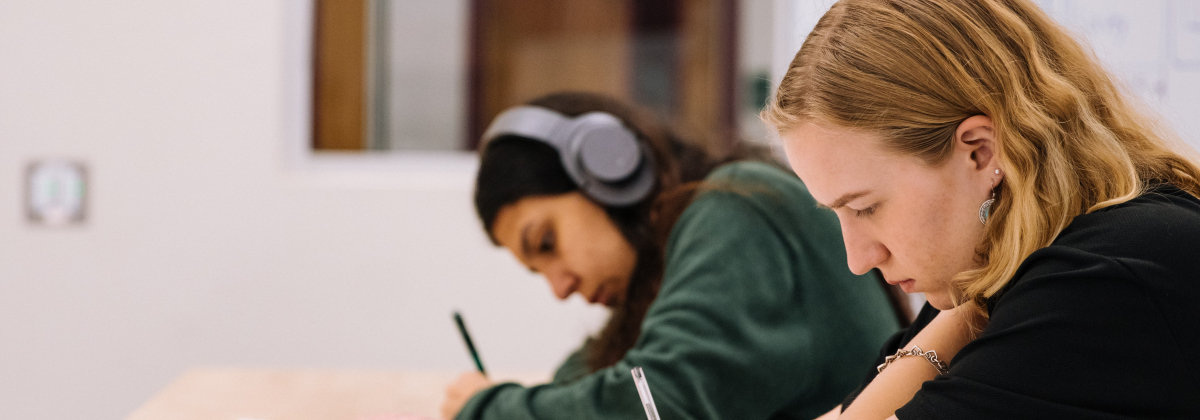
(288, 183)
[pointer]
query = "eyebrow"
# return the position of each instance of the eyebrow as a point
(844, 200)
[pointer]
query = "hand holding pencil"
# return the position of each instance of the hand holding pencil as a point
(467, 384)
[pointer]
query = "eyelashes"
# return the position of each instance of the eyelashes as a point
(867, 212)
(547, 244)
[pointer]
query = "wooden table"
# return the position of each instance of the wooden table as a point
(252, 394)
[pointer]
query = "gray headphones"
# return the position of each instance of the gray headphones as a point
(602, 156)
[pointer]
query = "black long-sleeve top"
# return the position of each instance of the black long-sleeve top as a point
(1102, 324)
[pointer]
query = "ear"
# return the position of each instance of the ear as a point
(975, 139)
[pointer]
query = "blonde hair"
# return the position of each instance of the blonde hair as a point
(911, 71)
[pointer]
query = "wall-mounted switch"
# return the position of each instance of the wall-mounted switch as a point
(56, 192)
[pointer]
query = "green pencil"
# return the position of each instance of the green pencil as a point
(462, 328)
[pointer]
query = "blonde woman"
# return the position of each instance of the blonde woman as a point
(974, 152)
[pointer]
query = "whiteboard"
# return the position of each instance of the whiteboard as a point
(1152, 46)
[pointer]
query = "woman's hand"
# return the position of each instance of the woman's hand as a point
(461, 390)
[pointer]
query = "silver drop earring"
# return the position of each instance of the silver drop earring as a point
(986, 208)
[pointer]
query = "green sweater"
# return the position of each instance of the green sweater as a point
(758, 317)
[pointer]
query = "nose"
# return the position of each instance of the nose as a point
(863, 252)
(562, 282)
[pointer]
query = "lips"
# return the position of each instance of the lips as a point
(610, 300)
(598, 295)
(907, 285)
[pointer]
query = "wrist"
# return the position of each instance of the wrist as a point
(930, 356)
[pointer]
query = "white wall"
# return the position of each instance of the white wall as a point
(210, 240)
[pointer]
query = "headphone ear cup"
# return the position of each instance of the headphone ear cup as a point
(609, 154)
(630, 191)
(609, 162)
(604, 158)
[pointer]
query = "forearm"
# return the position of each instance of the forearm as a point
(832, 414)
(605, 394)
(900, 381)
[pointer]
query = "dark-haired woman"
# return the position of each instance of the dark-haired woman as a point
(727, 284)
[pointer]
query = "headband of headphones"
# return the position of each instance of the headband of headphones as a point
(602, 156)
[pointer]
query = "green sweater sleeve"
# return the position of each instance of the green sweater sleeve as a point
(731, 335)
(574, 367)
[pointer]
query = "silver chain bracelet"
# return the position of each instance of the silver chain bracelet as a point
(931, 356)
